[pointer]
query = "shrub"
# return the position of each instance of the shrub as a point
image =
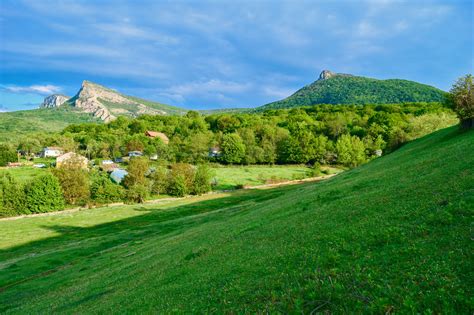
(7, 154)
(74, 183)
(103, 190)
(12, 196)
(137, 193)
(315, 170)
(202, 180)
(44, 194)
(137, 169)
(159, 181)
(177, 186)
(461, 99)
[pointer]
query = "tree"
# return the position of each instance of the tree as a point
(7, 154)
(137, 169)
(159, 181)
(137, 193)
(44, 194)
(12, 196)
(461, 99)
(233, 149)
(74, 181)
(202, 180)
(350, 150)
(103, 190)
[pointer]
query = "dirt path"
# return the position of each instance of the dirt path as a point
(162, 200)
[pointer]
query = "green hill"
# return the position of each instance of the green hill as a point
(333, 88)
(14, 125)
(392, 236)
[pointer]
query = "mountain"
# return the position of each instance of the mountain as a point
(18, 124)
(54, 100)
(106, 104)
(339, 88)
(391, 236)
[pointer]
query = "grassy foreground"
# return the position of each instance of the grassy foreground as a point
(390, 236)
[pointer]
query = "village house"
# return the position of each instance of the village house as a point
(156, 134)
(51, 152)
(135, 153)
(73, 159)
(118, 175)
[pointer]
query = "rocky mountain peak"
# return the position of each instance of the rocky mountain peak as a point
(54, 100)
(326, 74)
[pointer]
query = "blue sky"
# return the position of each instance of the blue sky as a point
(216, 54)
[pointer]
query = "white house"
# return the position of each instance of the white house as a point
(51, 152)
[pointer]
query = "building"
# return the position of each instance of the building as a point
(135, 153)
(156, 134)
(72, 159)
(118, 175)
(51, 152)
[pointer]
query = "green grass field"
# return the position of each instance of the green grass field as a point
(229, 176)
(392, 236)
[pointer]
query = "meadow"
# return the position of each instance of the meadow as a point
(390, 236)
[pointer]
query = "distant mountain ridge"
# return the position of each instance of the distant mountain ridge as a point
(106, 104)
(339, 88)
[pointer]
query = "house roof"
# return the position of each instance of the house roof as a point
(157, 134)
(69, 155)
(53, 148)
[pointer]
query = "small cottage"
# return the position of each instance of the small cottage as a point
(156, 134)
(72, 159)
(51, 152)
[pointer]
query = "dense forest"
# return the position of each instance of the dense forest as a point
(347, 89)
(327, 134)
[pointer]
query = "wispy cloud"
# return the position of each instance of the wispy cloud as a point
(35, 89)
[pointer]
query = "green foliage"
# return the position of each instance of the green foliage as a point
(74, 181)
(12, 196)
(159, 181)
(137, 169)
(137, 193)
(104, 190)
(7, 154)
(350, 151)
(177, 185)
(202, 180)
(461, 99)
(233, 149)
(342, 89)
(44, 194)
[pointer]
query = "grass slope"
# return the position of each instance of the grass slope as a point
(390, 236)
(14, 125)
(342, 89)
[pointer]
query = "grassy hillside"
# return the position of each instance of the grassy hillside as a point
(391, 236)
(343, 89)
(22, 123)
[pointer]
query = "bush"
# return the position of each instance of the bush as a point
(74, 184)
(44, 194)
(7, 154)
(137, 193)
(159, 181)
(181, 179)
(137, 169)
(103, 190)
(315, 170)
(177, 186)
(202, 180)
(12, 196)
(461, 99)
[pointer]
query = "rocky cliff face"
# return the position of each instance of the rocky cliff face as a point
(54, 100)
(106, 104)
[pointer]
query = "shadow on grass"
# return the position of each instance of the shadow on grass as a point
(41, 258)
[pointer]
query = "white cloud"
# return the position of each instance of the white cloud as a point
(35, 89)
